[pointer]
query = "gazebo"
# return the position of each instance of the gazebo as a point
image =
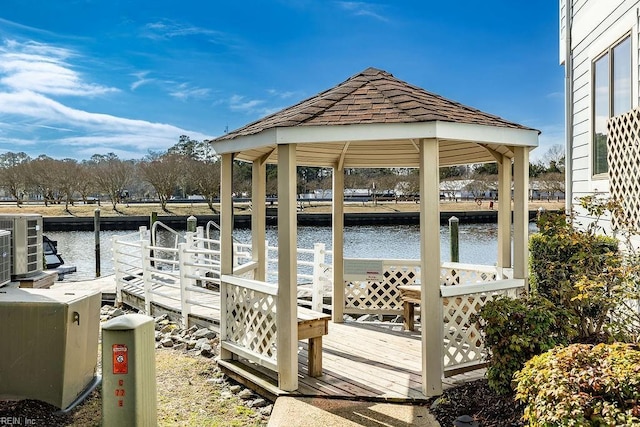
(371, 120)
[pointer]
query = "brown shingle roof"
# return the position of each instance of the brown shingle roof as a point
(372, 96)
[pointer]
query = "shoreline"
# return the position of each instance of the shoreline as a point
(179, 222)
(311, 213)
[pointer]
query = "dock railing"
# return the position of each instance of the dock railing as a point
(189, 275)
(185, 270)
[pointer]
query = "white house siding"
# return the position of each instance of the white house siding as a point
(596, 25)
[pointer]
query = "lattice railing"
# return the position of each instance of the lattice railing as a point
(623, 155)
(381, 297)
(453, 273)
(463, 346)
(250, 325)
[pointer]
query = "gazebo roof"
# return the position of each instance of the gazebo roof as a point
(374, 120)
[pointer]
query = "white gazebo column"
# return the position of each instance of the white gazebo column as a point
(504, 212)
(338, 244)
(430, 303)
(226, 242)
(258, 217)
(521, 214)
(287, 314)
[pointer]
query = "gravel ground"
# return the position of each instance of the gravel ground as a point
(191, 390)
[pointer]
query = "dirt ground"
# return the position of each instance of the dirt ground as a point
(189, 394)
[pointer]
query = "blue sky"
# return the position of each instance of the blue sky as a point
(84, 77)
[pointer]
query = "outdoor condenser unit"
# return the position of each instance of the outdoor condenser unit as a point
(5, 257)
(26, 243)
(49, 344)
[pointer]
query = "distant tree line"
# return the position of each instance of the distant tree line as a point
(191, 168)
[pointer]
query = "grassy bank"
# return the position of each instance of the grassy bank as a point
(198, 209)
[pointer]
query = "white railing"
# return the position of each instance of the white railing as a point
(383, 297)
(380, 296)
(463, 346)
(188, 276)
(127, 259)
(184, 270)
(250, 328)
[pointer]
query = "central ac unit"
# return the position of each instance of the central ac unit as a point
(5, 257)
(26, 243)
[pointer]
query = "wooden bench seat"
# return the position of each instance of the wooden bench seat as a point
(312, 325)
(410, 296)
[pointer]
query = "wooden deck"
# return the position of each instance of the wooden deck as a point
(373, 361)
(377, 361)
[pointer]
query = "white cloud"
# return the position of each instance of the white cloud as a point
(141, 80)
(359, 8)
(166, 29)
(44, 69)
(32, 75)
(283, 94)
(238, 103)
(184, 92)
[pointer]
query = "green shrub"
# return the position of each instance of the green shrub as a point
(577, 269)
(515, 330)
(582, 385)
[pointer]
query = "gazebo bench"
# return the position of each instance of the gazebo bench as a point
(312, 325)
(410, 295)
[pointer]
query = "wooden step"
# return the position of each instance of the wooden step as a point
(258, 381)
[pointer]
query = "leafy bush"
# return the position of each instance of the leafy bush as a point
(578, 269)
(515, 330)
(582, 385)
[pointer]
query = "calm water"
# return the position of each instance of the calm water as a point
(478, 244)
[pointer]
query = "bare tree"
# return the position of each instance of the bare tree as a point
(13, 173)
(554, 158)
(111, 175)
(68, 175)
(551, 183)
(43, 178)
(204, 176)
(86, 180)
(163, 173)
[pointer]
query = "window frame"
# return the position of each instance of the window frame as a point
(610, 92)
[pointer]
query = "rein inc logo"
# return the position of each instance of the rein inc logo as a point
(17, 421)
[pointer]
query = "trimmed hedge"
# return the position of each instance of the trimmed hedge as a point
(582, 385)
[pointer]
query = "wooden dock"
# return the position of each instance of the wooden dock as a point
(372, 361)
(377, 361)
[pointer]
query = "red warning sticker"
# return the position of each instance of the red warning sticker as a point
(120, 359)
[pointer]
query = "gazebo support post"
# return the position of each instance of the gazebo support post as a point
(504, 212)
(287, 323)
(521, 214)
(226, 242)
(258, 218)
(431, 303)
(338, 244)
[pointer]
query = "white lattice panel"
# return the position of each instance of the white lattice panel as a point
(251, 321)
(463, 345)
(380, 296)
(450, 276)
(623, 155)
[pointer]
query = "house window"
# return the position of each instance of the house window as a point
(611, 96)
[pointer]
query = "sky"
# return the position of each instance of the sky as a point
(85, 77)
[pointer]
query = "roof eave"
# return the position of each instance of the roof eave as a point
(482, 134)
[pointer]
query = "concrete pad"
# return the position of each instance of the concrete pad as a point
(319, 412)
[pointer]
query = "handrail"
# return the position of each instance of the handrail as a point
(494, 286)
(208, 229)
(166, 227)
